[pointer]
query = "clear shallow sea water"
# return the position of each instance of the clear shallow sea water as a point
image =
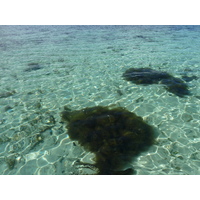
(44, 68)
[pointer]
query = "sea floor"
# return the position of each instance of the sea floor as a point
(44, 68)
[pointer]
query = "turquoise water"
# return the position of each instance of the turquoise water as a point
(44, 68)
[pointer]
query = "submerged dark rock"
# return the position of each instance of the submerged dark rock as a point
(33, 67)
(7, 94)
(176, 86)
(147, 76)
(114, 135)
(189, 78)
(8, 108)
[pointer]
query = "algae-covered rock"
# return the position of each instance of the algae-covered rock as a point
(176, 86)
(7, 94)
(32, 67)
(114, 135)
(189, 78)
(147, 76)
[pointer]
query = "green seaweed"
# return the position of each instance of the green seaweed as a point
(144, 76)
(176, 86)
(114, 135)
(147, 76)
